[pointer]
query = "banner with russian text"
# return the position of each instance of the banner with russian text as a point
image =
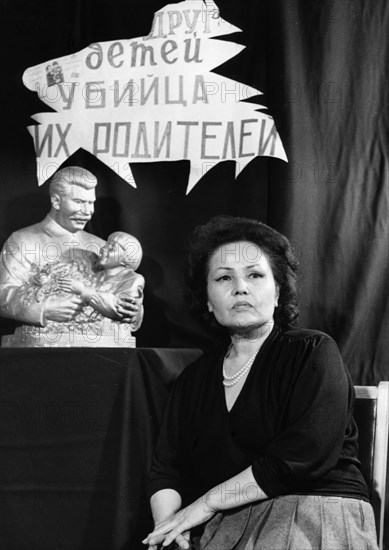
(152, 98)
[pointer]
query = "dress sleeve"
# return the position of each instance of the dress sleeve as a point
(314, 415)
(165, 472)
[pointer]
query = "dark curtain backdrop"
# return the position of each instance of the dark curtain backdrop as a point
(322, 65)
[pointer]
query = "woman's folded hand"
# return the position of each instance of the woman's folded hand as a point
(178, 526)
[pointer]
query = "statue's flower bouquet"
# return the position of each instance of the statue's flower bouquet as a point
(44, 281)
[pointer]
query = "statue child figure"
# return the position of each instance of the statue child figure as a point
(119, 257)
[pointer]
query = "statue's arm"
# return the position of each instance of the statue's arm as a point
(14, 273)
(125, 305)
(103, 302)
(137, 319)
(106, 303)
(130, 302)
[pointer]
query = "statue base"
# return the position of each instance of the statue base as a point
(109, 334)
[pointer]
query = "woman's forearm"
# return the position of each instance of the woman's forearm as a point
(164, 503)
(236, 491)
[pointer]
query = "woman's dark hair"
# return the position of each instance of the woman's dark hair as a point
(222, 230)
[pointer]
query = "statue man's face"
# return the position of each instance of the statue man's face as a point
(74, 208)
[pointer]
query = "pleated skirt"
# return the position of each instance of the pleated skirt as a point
(293, 522)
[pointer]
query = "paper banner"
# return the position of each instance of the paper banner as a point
(152, 99)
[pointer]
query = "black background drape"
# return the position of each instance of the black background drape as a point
(77, 432)
(322, 65)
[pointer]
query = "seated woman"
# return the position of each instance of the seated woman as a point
(258, 446)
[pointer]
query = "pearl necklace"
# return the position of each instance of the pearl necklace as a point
(234, 379)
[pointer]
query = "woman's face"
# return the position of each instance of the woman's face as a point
(242, 292)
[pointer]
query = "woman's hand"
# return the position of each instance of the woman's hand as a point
(177, 527)
(182, 542)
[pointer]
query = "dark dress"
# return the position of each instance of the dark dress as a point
(292, 422)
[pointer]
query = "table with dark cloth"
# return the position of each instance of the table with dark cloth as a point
(77, 429)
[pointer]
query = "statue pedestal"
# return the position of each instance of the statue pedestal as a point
(107, 334)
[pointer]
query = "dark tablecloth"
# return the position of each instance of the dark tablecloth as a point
(77, 429)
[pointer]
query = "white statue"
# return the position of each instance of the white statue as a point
(34, 260)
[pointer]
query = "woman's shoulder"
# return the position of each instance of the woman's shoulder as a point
(292, 334)
(300, 344)
(306, 348)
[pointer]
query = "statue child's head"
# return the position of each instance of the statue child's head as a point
(121, 249)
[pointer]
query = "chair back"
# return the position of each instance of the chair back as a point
(371, 413)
